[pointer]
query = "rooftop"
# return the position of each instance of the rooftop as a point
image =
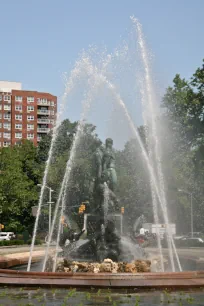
(6, 86)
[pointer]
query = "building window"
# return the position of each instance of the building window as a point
(52, 112)
(43, 100)
(29, 118)
(1, 98)
(0, 125)
(18, 107)
(7, 126)
(6, 143)
(18, 135)
(30, 136)
(52, 103)
(7, 98)
(30, 99)
(7, 107)
(30, 108)
(7, 116)
(0, 107)
(18, 117)
(30, 126)
(7, 135)
(18, 99)
(18, 126)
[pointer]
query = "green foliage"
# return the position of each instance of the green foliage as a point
(19, 175)
(183, 140)
(11, 242)
(37, 242)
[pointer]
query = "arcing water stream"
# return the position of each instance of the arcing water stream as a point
(151, 110)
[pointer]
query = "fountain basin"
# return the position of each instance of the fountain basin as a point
(171, 280)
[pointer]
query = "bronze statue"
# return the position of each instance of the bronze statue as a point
(103, 218)
(104, 166)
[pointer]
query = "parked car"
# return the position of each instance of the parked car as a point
(179, 237)
(192, 242)
(195, 235)
(7, 236)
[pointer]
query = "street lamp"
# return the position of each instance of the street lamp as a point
(191, 197)
(49, 203)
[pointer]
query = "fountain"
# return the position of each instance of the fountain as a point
(100, 206)
(99, 253)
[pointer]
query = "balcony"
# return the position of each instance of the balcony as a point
(44, 103)
(43, 130)
(43, 121)
(43, 112)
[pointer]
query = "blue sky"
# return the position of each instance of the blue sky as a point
(41, 39)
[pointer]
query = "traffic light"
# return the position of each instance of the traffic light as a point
(1, 226)
(82, 208)
(122, 210)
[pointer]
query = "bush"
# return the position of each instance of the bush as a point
(11, 242)
(37, 241)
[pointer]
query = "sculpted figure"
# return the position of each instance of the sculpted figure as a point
(108, 165)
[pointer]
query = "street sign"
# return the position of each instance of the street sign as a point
(34, 211)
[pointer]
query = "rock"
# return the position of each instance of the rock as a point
(96, 268)
(108, 260)
(105, 267)
(130, 268)
(114, 267)
(121, 267)
(83, 266)
(74, 268)
(143, 265)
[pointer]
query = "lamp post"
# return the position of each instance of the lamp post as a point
(191, 199)
(49, 203)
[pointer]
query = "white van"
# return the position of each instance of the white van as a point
(6, 236)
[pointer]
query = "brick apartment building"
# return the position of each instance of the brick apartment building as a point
(24, 114)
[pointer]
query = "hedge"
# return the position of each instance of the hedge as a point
(11, 242)
(37, 241)
(18, 242)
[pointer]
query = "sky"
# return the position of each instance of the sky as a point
(41, 39)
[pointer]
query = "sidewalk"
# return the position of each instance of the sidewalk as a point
(5, 250)
(16, 259)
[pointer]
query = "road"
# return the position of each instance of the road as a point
(18, 249)
(187, 253)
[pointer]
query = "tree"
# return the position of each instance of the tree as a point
(184, 142)
(19, 175)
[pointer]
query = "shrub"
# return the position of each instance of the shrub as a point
(37, 241)
(11, 242)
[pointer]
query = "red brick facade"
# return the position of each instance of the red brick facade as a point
(26, 115)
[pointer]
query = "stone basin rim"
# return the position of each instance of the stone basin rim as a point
(157, 281)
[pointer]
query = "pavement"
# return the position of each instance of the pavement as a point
(187, 253)
(19, 255)
(5, 250)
